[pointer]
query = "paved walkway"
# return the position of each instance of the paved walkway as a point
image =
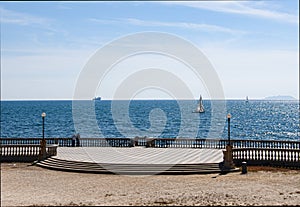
(140, 155)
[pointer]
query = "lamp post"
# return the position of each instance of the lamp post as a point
(228, 156)
(43, 117)
(42, 154)
(228, 118)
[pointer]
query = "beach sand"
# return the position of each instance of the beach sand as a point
(25, 185)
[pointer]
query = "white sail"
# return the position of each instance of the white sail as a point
(200, 107)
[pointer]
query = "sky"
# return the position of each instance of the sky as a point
(253, 46)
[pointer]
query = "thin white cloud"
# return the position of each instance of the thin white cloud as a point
(13, 17)
(182, 25)
(251, 8)
(24, 19)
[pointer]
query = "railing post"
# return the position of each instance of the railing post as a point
(42, 154)
(228, 154)
(228, 158)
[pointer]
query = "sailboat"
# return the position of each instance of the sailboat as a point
(200, 107)
(247, 100)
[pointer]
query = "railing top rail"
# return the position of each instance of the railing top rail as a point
(52, 145)
(35, 138)
(28, 145)
(142, 138)
(265, 149)
(20, 145)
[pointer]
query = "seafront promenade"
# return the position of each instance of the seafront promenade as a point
(139, 155)
(136, 160)
(158, 153)
(197, 181)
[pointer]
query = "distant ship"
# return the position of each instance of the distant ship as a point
(97, 98)
(200, 107)
(247, 100)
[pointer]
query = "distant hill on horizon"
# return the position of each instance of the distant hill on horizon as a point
(280, 98)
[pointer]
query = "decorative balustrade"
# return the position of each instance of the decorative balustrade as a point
(252, 151)
(267, 156)
(51, 150)
(20, 150)
(63, 142)
(25, 152)
(106, 142)
(265, 144)
(158, 142)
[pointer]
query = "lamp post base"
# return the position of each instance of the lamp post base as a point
(42, 154)
(228, 164)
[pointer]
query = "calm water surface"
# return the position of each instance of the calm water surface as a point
(261, 120)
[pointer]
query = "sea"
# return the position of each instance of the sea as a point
(252, 120)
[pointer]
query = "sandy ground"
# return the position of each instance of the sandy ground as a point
(26, 185)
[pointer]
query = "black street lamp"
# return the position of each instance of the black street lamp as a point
(228, 118)
(42, 154)
(228, 156)
(43, 117)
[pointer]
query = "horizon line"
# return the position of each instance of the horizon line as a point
(155, 99)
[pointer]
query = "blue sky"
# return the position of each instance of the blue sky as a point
(253, 45)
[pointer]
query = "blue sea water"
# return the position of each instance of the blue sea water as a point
(257, 119)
